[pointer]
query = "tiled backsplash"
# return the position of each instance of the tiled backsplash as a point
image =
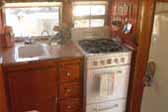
(89, 33)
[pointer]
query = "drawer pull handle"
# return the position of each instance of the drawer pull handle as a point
(106, 108)
(68, 74)
(32, 111)
(69, 107)
(68, 90)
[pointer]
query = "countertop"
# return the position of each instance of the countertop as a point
(68, 50)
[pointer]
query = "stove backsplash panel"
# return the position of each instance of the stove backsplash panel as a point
(90, 33)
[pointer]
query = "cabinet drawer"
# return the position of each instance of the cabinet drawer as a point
(70, 105)
(36, 105)
(70, 90)
(69, 72)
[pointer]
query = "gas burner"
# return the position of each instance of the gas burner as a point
(100, 46)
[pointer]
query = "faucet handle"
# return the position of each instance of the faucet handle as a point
(29, 40)
(45, 33)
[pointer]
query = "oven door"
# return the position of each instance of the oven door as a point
(105, 84)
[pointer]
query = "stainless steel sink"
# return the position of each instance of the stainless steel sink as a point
(31, 52)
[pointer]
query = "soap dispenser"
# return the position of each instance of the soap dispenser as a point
(7, 40)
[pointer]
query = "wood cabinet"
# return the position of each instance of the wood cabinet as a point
(3, 105)
(69, 72)
(47, 88)
(34, 89)
(70, 105)
(70, 89)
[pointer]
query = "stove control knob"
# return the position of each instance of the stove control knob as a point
(119, 72)
(109, 61)
(102, 62)
(116, 60)
(122, 60)
(95, 63)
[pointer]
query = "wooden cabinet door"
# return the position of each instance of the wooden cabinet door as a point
(33, 89)
(3, 104)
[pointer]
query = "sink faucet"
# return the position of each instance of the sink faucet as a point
(44, 32)
(29, 40)
(61, 36)
(57, 38)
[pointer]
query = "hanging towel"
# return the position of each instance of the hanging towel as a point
(106, 85)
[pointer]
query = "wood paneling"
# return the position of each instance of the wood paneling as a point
(145, 25)
(132, 18)
(3, 103)
(67, 13)
(142, 20)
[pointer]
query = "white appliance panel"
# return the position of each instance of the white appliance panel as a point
(120, 87)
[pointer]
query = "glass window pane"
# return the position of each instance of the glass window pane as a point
(81, 23)
(34, 21)
(81, 10)
(97, 22)
(98, 10)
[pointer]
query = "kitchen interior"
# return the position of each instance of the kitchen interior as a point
(73, 55)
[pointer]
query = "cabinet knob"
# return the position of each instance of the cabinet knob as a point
(68, 74)
(68, 90)
(69, 107)
(32, 111)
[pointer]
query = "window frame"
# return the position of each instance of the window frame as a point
(31, 5)
(90, 17)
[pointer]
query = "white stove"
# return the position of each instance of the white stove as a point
(107, 74)
(104, 52)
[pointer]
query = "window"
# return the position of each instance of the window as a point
(89, 14)
(35, 19)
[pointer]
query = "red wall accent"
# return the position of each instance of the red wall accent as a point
(133, 17)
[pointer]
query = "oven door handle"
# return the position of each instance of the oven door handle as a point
(111, 83)
(106, 108)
